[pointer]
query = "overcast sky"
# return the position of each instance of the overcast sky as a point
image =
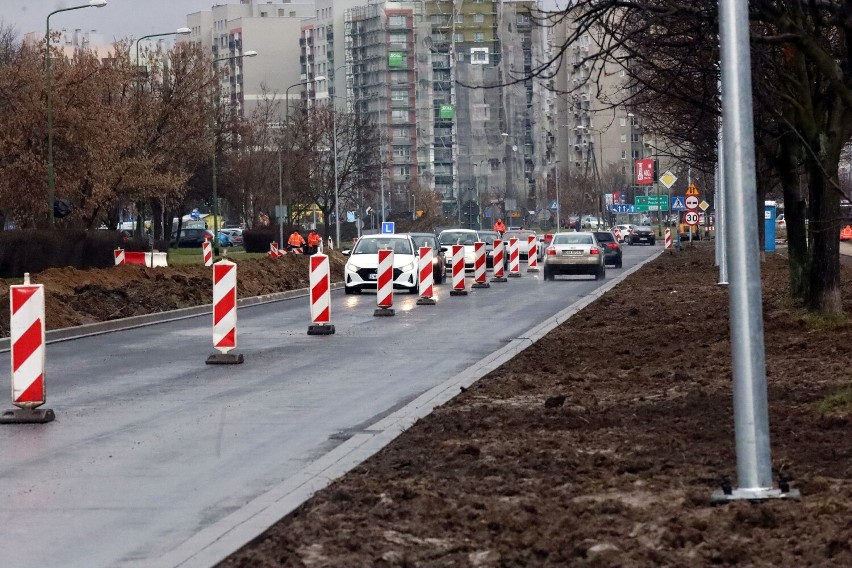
(118, 19)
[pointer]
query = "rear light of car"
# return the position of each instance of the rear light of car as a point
(551, 250)
(594, 250)
(612, 245)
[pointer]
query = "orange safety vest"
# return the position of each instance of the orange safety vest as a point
(499, 227)
(314, 240)
(295, 240)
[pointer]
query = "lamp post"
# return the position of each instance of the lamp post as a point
(287, 94)
(249, 53)
(179, 31)
(286, 122)
(51, 175)
(597, 168)
(478, 197)
(336, 185)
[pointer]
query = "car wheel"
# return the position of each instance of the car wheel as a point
(653, 242)
(438, 277)
(413, 290)
(600, 274)
(548, 275)
(618, 263)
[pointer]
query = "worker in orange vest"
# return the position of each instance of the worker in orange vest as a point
(499, 227)
(296, 241)
(314, 241)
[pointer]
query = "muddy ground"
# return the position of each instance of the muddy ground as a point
(76, 297)
(600, 446)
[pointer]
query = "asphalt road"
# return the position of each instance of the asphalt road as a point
(152, 448)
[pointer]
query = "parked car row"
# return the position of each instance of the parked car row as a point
(195, 238)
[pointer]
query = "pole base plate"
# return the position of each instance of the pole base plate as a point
(384, 312)
(426, 302)
(499, 279)
(480, 285)
(27, 416)
(225, 359)
(320, 329)
(759, 494)
(458, 292)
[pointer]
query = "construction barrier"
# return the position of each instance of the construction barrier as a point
(26, 337)
(617, 233)
(330, 243)
(207, 253)
(384, 284)
(514, 258)
(458, 271)
(119, 256)
(273, 250)
(320, 283)
(224, 313)
(532, 253)
(149, 259)
(425, 277)
(846, 233)
(499, 255)
(479, 266)
(668, 239)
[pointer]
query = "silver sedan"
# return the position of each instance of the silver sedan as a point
(574, 253)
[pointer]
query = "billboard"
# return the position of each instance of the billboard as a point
(645, 171)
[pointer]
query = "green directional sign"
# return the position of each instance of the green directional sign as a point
(652, 202)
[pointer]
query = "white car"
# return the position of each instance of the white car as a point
(464, 237)
(625, 231)
(574, 253)
(360, 270)
(524, 244)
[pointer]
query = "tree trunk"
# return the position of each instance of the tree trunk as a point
(824, 271)
(794, 215)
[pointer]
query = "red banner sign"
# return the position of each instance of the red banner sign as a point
(645, 171)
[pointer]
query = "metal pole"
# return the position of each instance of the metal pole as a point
(280, 198)
(751, 415)
(558, 205)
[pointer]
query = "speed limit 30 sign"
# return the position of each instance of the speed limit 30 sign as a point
(690, 218)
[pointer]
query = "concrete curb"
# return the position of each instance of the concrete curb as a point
(216, 542)
(89, 329)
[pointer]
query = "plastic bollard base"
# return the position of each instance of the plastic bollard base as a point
(480, 285)
(499, 279)
(27, 416)
(514, 275)
(458, 292)
(225, 359)
(320, 329)
(384, 312)
(425, 302)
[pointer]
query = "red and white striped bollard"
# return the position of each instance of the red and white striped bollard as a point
(617, 233)
(207, 252)
(425, 277)
(118, 254)
(514, 258)
(320, 283)
(458, 271)
(479, 266)
(384, 284)
(26, 337)
(532, 253)
(224, 314)
(499, 262)
(668, 239)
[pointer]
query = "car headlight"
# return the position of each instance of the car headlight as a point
(352, 267)
(407, 267)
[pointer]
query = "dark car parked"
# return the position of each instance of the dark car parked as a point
(642, 234)
(191, 237)
(612, 250)
(439, 261)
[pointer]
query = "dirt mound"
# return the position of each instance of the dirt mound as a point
(600, 446)
(75, 297)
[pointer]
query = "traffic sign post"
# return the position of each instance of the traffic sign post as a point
(690, 218)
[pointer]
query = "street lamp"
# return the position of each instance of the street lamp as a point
(287, 93)
(248, 53)
(286, 122)
(598, 168)
(478, 167)
(51, 176)
(336, 185)
(179, 31)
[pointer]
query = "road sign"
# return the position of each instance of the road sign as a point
(623, 208)
(678, 204)
(704, 205)
(692, 190)
(691, 202)
(690, 217)
(652, 202)
(668, 179)
(387, 227)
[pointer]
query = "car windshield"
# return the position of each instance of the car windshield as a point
(573, 239)
(424, 241)
(372, 246)
(604, 237)
(488, 238)
(457, 238)
(643, 229)
(519, 234)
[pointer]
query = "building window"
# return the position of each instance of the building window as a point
(399, 96)
(402, 151)
(637, 154)
(479, 36)
(479, 55)
(396, 21)
(622, 121)
(458, 37)
(523, 19)
(403, 171)
(636, 137)
(459, 18)
(400, 132)
(478, 18)
(624, 138)
(624, 154)
(399, 115)
(399, 37)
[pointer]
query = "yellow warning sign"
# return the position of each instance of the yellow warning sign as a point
(692, 190)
